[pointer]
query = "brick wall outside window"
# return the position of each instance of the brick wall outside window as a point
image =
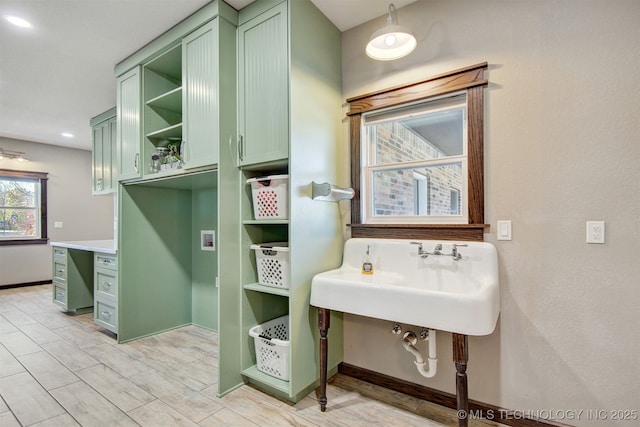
(395, 190)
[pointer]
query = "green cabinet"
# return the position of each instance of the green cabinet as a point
(290, 116)
(199, 96)
(263, 87)
(104, 153)
(187, 96)
(128, 116)
(186, 79)
(72, 279)
(105, 292)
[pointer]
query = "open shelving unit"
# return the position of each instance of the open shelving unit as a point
(162, 94)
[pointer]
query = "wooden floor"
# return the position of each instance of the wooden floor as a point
(62, 370)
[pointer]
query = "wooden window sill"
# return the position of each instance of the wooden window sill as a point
(472, 232)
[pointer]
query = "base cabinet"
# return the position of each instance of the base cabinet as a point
(72, 280)
(105, 292)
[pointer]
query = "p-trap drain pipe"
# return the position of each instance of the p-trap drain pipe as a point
(409, 341)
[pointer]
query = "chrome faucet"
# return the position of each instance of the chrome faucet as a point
(437, 250)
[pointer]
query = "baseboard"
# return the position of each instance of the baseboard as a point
(448, 400)
(22, 285)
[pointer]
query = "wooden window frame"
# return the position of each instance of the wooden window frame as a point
(43, 177)
(469, 79)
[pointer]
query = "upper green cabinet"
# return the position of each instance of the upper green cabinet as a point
(263, 87)
(199, 96)
(182, 81)
(128, 124)
(103, 167)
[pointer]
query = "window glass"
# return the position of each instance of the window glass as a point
(20, 207)
(414, 162)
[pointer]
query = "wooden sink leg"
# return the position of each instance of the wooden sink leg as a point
(460, 358)
(323, 324)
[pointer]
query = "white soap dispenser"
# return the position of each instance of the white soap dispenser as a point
(367, 265)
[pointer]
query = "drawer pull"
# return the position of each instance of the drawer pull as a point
(59, 295)
(106, 285)
(105, 314)
(60, 271)
(58, 252)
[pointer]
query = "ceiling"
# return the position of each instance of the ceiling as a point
(57, 75)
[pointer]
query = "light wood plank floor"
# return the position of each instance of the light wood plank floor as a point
(62, 370)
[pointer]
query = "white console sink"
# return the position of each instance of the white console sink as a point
(438, 292)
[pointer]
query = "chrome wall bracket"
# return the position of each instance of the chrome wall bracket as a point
(329, 192)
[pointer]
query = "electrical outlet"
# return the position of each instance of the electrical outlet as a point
(595, 231)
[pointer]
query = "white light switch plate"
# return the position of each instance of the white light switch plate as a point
(504, 230)
(57, 224)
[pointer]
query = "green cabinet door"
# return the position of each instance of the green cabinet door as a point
(112, 178)
(200, 100)
(128, 127)
(100, 138)
(104, 152)
(263, 89)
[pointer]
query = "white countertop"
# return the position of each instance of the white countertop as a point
(105, 246)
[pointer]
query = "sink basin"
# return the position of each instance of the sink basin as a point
(437, 292)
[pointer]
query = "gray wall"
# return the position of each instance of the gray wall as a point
(562, 147)
(84, 217)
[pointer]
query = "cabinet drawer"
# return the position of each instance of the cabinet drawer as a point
(106, 261)
(106, 282)
(60, 294)
(106, 314)
(60, 252)
(60, 270)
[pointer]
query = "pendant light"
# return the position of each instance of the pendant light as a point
(391, 42)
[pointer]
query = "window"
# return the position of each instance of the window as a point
(417, 158)
(23, 207)
(413, 159)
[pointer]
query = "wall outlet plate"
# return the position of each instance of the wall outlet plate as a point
(595, 231)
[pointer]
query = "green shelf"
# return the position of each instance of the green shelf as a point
(254, 374)
(267, 289)
(171, 101)
(169, 133)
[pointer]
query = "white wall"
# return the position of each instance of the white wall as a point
(84, 217)
(562, 146)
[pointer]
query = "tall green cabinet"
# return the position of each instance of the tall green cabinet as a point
(289, 114)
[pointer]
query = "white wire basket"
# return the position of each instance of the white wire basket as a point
(271, 340)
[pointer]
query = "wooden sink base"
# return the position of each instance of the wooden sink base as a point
(460, 358)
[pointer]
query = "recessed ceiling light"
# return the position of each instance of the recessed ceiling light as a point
(18, 22)
(67, 135)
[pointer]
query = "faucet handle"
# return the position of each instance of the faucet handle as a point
(454, 251)
(416, 243)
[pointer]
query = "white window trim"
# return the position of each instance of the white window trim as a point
(367, 171)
